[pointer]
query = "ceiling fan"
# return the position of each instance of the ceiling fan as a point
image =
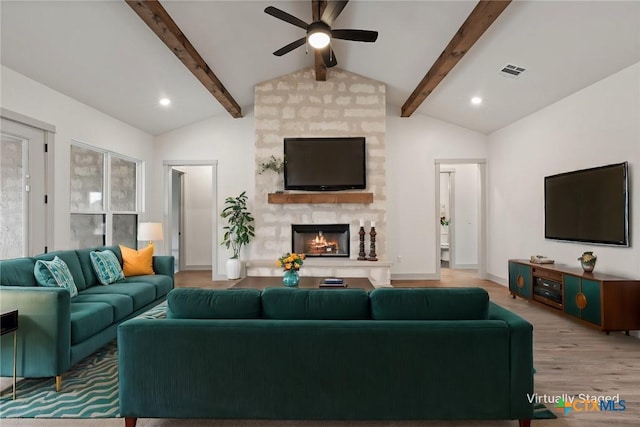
(319, 33)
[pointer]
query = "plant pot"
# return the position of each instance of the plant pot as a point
(233, 268)
(588, 267)
(290, 278)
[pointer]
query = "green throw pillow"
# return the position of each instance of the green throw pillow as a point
(106, 266)
(55, 273)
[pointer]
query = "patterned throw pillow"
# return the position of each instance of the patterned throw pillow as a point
(55, 273)
(106, 266)
(137, 263)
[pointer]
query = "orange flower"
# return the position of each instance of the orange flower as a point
(290, 261)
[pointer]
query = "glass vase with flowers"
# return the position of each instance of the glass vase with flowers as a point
(290, 263)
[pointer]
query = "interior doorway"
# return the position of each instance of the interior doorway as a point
(191, 214)
(447, 209)
(176, 227)
(460, 215)
(25, 215)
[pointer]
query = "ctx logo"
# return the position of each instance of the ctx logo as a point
(590, 405)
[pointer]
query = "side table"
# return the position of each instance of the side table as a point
(8, 324)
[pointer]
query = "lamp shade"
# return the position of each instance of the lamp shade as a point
(150, 231)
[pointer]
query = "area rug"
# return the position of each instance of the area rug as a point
(89, 389)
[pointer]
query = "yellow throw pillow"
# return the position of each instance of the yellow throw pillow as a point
(137, 263)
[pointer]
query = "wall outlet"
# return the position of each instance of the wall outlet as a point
(398, 258)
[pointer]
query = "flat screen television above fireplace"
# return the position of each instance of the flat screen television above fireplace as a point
(325, 164)
(588, 205)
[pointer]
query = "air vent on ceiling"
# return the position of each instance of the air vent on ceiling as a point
(511, 70)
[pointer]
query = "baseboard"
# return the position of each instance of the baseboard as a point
(463, 266)
(414, 276)
(196, 267)
(498, 280)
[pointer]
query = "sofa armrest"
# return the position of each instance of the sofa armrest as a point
(44, 331)
(164, 264)
(521, 358)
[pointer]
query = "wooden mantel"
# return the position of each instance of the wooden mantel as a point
(286, 198)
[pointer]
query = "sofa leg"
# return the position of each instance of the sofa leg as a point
(58, 382)
(524, 423)
(130, 421)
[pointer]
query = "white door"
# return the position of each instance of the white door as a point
(22, 190)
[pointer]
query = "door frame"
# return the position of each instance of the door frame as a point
(49, 131)
(168, 165)
(482, 213)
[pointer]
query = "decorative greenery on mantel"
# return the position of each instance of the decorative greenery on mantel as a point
(273, 164)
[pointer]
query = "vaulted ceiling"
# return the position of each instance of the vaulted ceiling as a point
(102, 54)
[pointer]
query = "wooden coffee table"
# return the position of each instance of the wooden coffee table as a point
(255, 282)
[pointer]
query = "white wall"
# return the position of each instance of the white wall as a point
(596, 126)
(73, 120)
(413, 146)
(224, 139)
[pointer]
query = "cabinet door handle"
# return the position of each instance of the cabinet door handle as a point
(520, 281)
(581, 300)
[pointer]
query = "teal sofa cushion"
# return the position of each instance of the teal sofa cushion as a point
(162, 283)
(121, 305)
(191, 303)
(17, 272)
(315, 304)
(73, 262)
(141, 293)
(55, 273)
(89, 318)
(84, 255)
(430, 304)
(107, 267)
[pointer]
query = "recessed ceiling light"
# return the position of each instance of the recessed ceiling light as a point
(476, 100)
(165, 102)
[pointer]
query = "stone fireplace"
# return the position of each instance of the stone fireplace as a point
(298, 106)
(321, 240)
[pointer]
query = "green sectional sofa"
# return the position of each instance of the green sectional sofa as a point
(336, 354)
(57, 331)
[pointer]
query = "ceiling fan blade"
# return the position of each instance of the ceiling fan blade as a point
(333, 9)
(355, 35)
(288, 48)
(329, 57)
(280, 14)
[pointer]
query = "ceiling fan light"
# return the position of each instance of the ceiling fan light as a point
(319, 35)
(318, 40)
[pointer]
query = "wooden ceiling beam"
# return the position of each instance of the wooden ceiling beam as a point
(480, 19)
(317, 8)
(157, 18)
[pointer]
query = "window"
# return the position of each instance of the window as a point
(105, 197)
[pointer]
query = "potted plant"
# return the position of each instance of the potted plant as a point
(238, 232)
(275, 165)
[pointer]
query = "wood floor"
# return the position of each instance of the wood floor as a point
(569, 357)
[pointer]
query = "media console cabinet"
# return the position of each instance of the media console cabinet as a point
(606, 302)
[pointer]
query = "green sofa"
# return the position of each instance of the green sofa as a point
(57, 331)
(391, 354)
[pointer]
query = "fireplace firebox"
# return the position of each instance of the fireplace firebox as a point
(320, 240)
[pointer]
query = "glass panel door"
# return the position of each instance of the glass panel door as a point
(13, 201)
(23, 211)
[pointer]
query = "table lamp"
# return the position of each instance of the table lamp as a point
(150, 231)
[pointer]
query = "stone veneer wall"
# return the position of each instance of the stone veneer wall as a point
(296, 105)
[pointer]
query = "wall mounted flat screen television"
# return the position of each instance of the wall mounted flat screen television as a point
(325, 164)
(589, 205)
